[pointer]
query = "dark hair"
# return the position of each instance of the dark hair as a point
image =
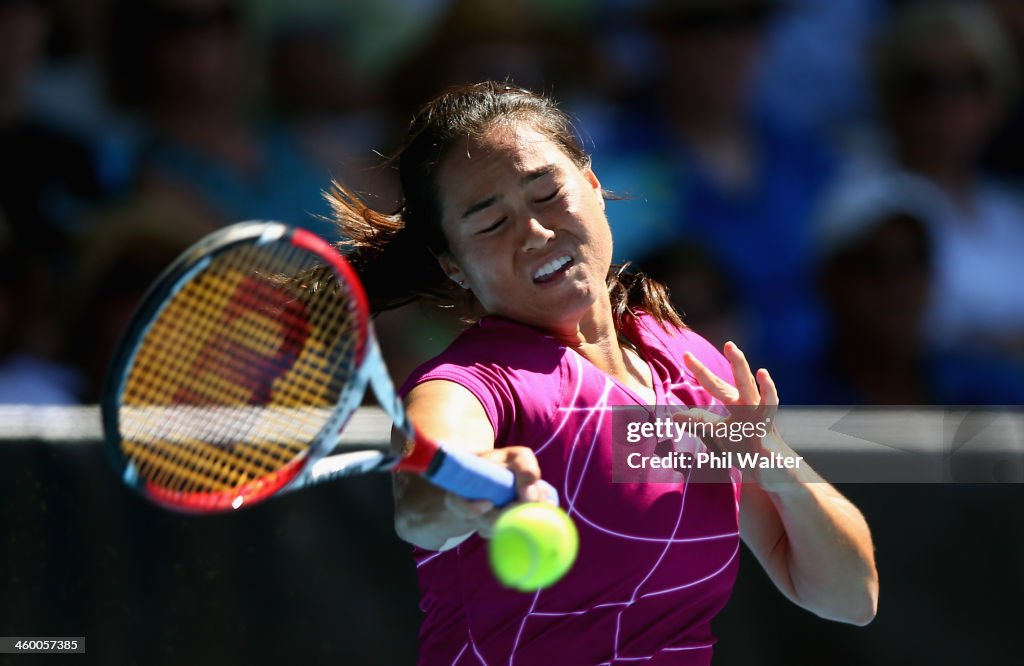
(396, 254)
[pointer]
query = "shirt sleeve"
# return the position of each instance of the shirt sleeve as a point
(514, 372)
(486, 383)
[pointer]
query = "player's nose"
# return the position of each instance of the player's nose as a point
(536, 235)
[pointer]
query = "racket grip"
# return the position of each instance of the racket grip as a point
(473, 477)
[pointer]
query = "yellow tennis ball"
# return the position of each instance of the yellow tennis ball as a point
(533, 545)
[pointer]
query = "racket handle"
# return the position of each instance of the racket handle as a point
(470, 476)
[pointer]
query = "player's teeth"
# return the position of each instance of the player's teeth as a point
(551, 267)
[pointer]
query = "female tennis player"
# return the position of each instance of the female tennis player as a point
(504, 215)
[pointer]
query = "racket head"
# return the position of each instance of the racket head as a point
(238, 369)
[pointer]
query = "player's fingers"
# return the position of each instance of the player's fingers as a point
(523, 464)
(478, 515)
(714, 384)
(468, 510)
(748, 393)
(688, 417)
(697, 415)
(485, 526)
(769, 394)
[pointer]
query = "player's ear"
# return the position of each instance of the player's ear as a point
(452, 270)
(594, 183)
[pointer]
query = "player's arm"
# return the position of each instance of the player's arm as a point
(813, 542)
(427, 516)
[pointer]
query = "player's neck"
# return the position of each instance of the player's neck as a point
(597, 340)
(595, 329)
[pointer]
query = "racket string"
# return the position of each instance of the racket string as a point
(273, 359)
(206, 297)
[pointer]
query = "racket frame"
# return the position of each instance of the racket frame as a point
(455, 470)
(157, 297)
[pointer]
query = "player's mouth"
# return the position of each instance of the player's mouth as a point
(553, 269)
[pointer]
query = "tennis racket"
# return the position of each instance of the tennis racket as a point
(240, 368)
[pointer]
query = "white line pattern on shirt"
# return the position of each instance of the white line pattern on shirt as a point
(570, 492)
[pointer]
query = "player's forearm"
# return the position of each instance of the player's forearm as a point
(827, 545)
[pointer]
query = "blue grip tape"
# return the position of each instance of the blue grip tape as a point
(475, 478)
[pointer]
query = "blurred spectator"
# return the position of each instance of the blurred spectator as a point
(26, 378)
(49, 182)
(700, 291)
(946, 75)
(1005, 152)
(815, 73)
(335, 112)
(67, 90)
(534, 44)
(717, 171)
(125, 250)
(48, 177)
(180, 64)
(877, 259)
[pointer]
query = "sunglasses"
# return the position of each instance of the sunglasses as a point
(933, 84)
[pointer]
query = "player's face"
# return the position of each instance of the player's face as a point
(526, 228)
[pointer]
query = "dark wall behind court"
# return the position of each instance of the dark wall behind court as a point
(319, 577)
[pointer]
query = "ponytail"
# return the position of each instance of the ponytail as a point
(394, 263)
(631, 291)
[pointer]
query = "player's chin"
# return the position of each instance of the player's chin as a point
(572, 305)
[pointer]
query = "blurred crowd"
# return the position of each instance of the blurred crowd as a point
(836, 185)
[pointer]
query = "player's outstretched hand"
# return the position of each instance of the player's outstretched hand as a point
(753, 400)
(482, 513)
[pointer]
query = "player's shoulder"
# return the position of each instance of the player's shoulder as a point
(496, 340)
(672, 342)
(495, 349)
(516, 372)
(675, 339)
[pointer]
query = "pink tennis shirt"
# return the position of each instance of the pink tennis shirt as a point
(657, 561)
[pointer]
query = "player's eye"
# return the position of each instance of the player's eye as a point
(493, 226)
(550, 197)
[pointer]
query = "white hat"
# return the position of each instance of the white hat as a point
(858, 202)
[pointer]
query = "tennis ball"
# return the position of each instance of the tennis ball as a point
(533, 545)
